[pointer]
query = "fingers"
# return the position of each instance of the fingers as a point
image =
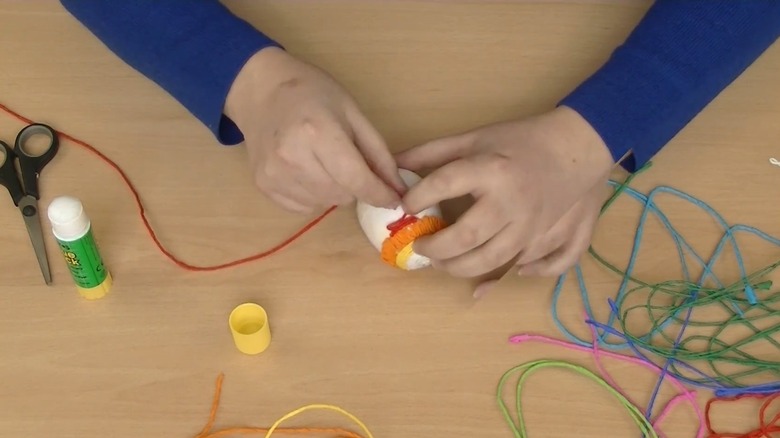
(375, 151)
(559, 234)
(348, 168)
(435, 153)
(549, 255)
(564, 257)
(558, 261)
(310, 145)
(480, 222)
(290, 195)
(320, 189)
(295, 180)
(495, 253)
(578, 222)
(320, 156)
(452, 180)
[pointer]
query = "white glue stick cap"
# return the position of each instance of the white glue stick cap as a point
(68, 220)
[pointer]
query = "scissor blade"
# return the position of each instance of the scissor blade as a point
(29, 208)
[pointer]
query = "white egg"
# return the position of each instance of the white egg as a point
(375, 221)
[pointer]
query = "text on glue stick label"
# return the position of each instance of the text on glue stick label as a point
(84, 261)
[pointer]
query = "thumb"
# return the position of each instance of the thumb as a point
(435, 153)
(375, 151)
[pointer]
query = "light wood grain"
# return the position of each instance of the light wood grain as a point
(411, 354)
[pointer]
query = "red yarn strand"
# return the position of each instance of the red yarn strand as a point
(147, 224)
(396, 226)
(768, 428)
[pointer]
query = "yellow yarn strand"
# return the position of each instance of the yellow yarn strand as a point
(207, 432)
(300, 410)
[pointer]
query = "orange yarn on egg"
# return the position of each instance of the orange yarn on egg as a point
(400, 238)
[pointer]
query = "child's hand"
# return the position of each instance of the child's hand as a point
(308, 142)
(538, 183)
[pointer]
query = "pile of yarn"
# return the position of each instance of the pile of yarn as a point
(680, 337)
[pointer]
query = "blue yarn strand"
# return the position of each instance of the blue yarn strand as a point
(605, 331)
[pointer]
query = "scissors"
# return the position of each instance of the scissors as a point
(23, 185)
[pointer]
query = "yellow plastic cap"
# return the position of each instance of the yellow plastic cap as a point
(249, 325)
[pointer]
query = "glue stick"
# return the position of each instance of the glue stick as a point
(73, 231)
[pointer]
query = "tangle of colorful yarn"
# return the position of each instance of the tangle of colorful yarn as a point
(597, 353)
(767, 427)
(666, 301)
(207, 432)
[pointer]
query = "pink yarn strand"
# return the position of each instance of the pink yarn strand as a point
(685, 394)
(677, 399)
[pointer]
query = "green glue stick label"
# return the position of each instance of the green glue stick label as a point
(84, 261)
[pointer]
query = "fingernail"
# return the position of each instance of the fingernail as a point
(479, 293)
(482, 289)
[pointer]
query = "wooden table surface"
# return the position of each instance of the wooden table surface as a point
(411, 354)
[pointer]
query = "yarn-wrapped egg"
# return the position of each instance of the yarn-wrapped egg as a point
(393, 232)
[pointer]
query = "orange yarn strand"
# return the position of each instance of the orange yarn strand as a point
(207, 433)
(147, 224)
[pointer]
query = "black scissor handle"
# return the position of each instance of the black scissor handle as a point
(8, 177)
(32, 165)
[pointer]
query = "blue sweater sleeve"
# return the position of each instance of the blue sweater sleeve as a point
(680, 56)
(677, 60)
(193, 49)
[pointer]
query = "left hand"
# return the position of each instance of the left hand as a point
(538, 183)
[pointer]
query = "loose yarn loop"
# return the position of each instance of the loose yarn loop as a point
(683, 393)
(518, 428)
(207, 432)
(147, 224)
(767, 426)
(671, 304)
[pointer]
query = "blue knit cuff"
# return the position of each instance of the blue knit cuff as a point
(674, 63)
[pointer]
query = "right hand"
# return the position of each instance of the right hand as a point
(309, 145)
